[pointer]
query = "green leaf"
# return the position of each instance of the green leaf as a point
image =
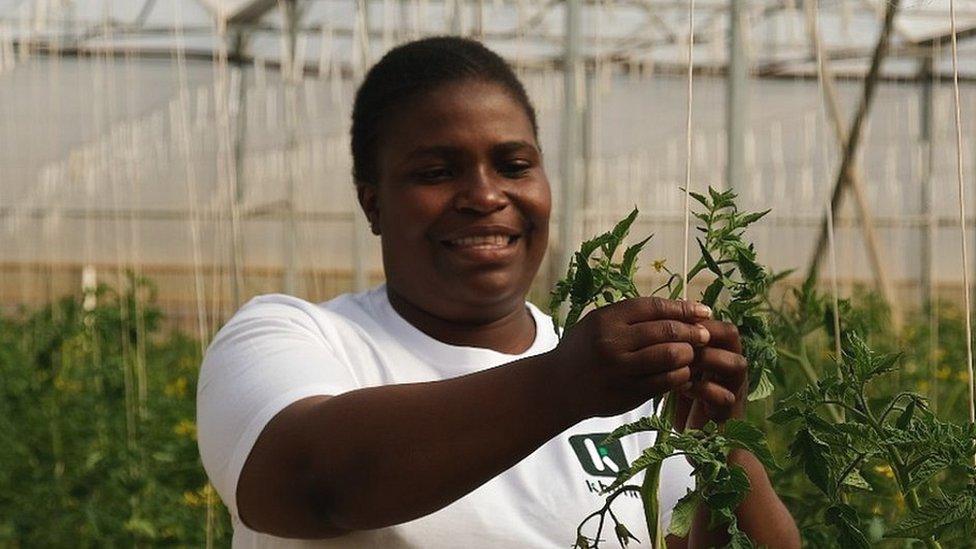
(845, 519)
(813, 455)
(764, 387)
(628, 266)
(650, 458)
(935, 514)
(751, 218)
(647, 423)
(684, 514)
(709, 260)
(906, 416)
(855, 480)
(711, 293)
(701, 199)
(749, 437)
(620, 231)
(785, 415)
(583, 286)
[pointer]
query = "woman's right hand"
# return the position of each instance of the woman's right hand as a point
(619, 356)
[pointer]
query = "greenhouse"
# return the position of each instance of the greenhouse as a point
(163, 162)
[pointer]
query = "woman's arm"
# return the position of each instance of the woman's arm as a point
(761, 515)
(385, 455)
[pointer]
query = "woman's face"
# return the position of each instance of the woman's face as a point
(462, 203)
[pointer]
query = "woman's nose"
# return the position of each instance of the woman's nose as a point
(480, 192)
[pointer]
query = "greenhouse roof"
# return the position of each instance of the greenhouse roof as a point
(649, 34)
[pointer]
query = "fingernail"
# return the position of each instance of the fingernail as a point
(703, 311)
(703, 334)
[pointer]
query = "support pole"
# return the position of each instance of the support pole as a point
(929, 297)
(736, 98)
(847, 173)
(926, 127)
(569, 191)
(290, 244)
(238, 48)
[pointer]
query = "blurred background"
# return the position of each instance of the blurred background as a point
(162, 161)
(204, 143)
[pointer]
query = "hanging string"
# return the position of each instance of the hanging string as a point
(688, 143)
(962, 213)
(813, 13)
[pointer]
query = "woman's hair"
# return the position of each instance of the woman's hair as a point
(415, 68)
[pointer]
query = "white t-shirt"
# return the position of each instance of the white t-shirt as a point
(279, 349)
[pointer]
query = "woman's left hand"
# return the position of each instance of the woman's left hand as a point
(719, 381)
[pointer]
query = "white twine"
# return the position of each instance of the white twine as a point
(688, 143)
(962, 213)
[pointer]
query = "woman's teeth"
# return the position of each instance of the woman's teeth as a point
(490, 241)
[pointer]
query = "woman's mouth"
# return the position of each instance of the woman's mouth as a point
(486, 242)
(484, 249)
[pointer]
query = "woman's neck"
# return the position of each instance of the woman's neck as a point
(511, 333)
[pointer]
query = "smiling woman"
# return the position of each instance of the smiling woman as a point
(441, 409)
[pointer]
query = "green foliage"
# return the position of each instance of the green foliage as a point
(97, 418)
(883, 467)
(884, 432)
(595, 281)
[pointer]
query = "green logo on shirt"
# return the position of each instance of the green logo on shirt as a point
(602, 460)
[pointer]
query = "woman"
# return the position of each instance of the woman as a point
(440, 410)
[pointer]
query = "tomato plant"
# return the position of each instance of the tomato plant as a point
(843, 426)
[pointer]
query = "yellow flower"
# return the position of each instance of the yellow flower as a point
(942, 373)
(659, 265)
(192, 499)
(186, 428)
(176, 388)
(884, 470)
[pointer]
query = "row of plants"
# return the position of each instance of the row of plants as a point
(867, 449)
(97, 408)
(854, 443)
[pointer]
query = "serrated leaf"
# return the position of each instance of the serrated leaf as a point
(785, 415)
(620, 231)
(644, 424)
(764, 387)
(934, 514)
(709, 260)
(812, 454)
(701, 199)
(629, 263)
(683, 514)
(751, 218)
(749, 437)
(711, 293)
(651, 457)
(854, 479)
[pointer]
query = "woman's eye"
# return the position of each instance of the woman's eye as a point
(516, 169)
(433, 174)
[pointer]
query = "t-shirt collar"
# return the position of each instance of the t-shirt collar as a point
(435, 351)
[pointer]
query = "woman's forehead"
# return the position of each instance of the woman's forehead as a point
(469, 113)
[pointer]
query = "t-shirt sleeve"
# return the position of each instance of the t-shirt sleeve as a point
(272, 353)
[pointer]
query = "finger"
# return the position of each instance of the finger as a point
(725, 365)
(658, 384)
(642, 309)
(659, 358)
(643, 334)
(724, 335)
(712, 393)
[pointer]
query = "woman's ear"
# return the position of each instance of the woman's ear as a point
(369, 202)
